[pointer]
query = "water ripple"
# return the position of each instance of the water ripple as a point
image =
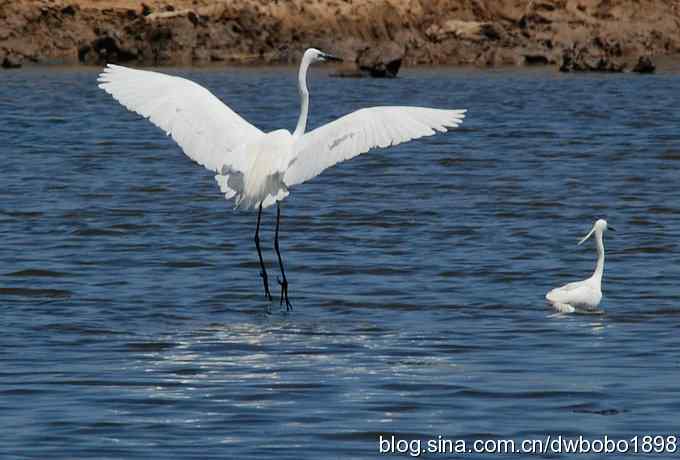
(134, 321)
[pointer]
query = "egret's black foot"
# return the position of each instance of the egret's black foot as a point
(284, 294)
(265, 281)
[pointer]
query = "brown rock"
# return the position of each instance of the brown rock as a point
(496, 57)
(591, 58)
(536, 59)
(69, 10)
(383, 61)
(644, 65)
(464, 30)
(106, 49)
(12, 61)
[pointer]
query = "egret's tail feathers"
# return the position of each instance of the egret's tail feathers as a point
(273, 198)
(232, 184)
(223, 183)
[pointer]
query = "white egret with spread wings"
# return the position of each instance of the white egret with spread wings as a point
(254, 168)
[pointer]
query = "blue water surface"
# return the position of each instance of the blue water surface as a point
(134, 323)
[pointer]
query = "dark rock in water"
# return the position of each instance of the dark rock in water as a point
(12, 61)
(644, 65)
(536, 59)
(568, 59)
(589, 59)
(381, 61)
(609, 65)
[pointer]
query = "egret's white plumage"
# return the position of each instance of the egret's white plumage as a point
(361, 131)
(208, 131)
(255, 167)
(587, 294)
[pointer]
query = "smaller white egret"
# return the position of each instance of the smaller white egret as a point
(583, 295)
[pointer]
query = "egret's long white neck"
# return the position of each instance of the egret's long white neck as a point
(599, 268)
(304, 97)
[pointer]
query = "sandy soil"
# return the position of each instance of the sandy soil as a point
(477, 32)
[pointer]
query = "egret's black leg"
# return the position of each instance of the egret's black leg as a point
(283, 282)
(263, 273)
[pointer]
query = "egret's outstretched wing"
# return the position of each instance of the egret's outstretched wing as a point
(360, 131)
(207, 130)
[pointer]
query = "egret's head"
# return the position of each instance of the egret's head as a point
(315, 55)
(600, 226)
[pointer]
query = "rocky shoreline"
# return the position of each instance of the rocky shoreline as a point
(600, 35)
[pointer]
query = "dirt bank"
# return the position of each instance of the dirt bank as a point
(479, 32)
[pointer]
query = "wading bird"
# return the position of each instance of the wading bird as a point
(254, 168)
(583, 295)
